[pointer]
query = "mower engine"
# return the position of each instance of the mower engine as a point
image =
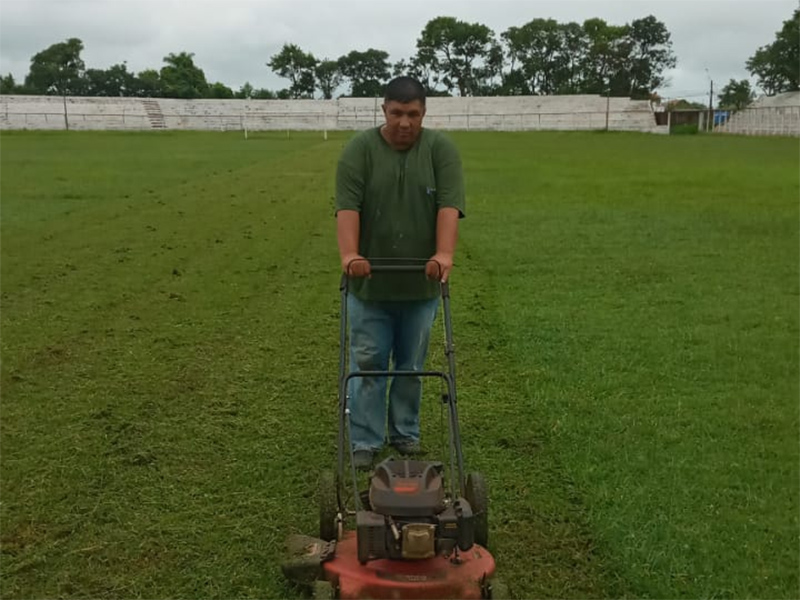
(410, 516)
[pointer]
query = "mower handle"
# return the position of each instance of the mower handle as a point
(384, 268)
(399, 267)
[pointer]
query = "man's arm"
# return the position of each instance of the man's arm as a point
(446, 238)
(349, 197)
(348, 227)
(450, 203)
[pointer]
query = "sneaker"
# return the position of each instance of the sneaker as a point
(407, 447)
(362, 460)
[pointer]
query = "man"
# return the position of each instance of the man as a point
(399, 195)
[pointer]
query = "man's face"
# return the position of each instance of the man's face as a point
(403, 122)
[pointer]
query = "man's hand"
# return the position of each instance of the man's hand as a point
(439, 266)
(356, 265)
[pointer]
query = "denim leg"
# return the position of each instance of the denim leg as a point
(371, 336)
(412, 337)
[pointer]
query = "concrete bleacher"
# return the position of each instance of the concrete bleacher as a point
(768, 115)
(250, 114)
(541, 113)
(47, 112)
(514, 113)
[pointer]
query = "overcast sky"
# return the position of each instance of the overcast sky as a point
(233, 39)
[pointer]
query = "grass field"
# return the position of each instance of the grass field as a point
(626, 325)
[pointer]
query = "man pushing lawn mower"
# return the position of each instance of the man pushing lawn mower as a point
(421, 527)
(399, 195)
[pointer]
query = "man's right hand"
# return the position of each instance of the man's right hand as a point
(356, 265)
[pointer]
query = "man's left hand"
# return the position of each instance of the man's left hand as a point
(439, 266)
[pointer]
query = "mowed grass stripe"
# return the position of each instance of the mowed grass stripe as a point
(152, 414)
(149, 218)
(540, 533)
(654, 320)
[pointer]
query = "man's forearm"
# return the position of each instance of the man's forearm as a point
(348, 227)
(446, 230)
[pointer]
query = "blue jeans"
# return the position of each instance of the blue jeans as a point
(380, 331)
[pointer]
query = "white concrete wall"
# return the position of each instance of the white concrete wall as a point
(514, 113)
(784, 120)
(47, 112)
(769, 115)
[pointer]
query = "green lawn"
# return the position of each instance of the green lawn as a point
(626, 324)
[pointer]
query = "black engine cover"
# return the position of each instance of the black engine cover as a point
(407, 488)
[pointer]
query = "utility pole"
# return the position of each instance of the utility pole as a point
(711, 107)
(63, 85)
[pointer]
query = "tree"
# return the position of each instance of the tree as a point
(264, 94)
(424, 69)
(57, 70)
(650, 55)
(685, 105)
(777, 65)
(604, 65)
(181, 78)
(148, 84)
(401, 68)
(114, 81)
(490, 79)
(329, 77)
(367, 71)
(297, 66)
(245, 92)
(574, 44)
(248, 92)
(457, 51)
(514, 84)
(736, 95)
(8, 85)
(219, 91)
(538, 48)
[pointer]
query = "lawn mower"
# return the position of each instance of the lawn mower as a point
(421, 527)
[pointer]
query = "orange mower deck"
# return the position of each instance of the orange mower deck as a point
(437, 577)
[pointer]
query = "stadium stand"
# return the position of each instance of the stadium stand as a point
(514, 113)
(769, 115)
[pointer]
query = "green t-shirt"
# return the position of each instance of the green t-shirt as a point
(398, 195)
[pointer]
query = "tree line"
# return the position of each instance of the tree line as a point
(541, 57)
(452, 57)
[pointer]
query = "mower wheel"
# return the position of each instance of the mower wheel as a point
(328, 507)
(323, 590)
(478, 497)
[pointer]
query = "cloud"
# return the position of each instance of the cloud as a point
(232, 40)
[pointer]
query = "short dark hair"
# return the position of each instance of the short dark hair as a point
(404, 89)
